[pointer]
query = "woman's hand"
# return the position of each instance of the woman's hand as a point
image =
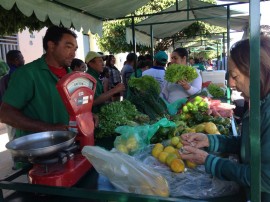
(197, 140)
(184, 84)
(193, 154)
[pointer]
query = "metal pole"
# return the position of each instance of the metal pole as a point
(228, 31)
(254, 121)
(187, 8)
(217, 51)
(228, 53)
(133, 35)
(223, 51)
(152, 42)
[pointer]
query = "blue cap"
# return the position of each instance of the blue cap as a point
(161, 57)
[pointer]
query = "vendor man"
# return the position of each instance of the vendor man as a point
(94, 63)
(31, 102)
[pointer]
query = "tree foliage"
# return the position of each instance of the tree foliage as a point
(13, 21)
(114, 33)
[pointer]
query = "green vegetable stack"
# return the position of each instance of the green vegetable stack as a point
(178, 72)
(117, 114)
(215, 91)
(144, 94)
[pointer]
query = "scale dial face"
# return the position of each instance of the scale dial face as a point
(79, 82)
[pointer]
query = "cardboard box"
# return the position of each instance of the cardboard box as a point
(216, 77)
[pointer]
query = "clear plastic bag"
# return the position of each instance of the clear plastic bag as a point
(134, 138)
(125, 172)
(194, 183)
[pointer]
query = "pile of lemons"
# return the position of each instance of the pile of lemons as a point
(170, 156)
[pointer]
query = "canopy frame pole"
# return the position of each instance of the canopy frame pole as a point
(152, 42)
(133, 34)
(188, 9)
(254, 121)
(228, 52)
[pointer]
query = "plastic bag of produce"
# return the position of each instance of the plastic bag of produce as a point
(193, 183)
(125, 172)
(174, 107)
(134, 138)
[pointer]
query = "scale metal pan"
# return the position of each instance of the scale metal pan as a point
(41, 144)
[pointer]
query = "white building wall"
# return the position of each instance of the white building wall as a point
(32, 48)
(31, 44)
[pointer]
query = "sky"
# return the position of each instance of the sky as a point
(265, 16)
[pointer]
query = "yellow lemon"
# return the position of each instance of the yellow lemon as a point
(122, 148)
(170, 158)
(159, 145)
(210, 128)
(175, 140)
(162, 156)
(132, 143)
(169, 149)
(200, 128)
(177, 166)
(177, 154)
(179, 145)
(156, 151)
(190, 164)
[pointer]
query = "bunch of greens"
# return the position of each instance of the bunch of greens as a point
(215, 90)
(117, 114)
(178, 72)
(144, 94)
(142, 84)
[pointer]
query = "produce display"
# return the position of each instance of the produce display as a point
(196, 114)
(215, 90)
(127, 144)
(169, 155)
(117, 114)
(144, 94)
(144, 129)
(178, 72)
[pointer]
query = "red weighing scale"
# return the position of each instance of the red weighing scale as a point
(65, 168)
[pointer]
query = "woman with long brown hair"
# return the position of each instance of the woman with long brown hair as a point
(239, 78)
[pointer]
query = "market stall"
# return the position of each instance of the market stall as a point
(90, 192)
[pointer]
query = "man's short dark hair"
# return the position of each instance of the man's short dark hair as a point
(75, 63)
(148, 57)
(55, 34)
(181, 52)
(12, 55)
(131, 57)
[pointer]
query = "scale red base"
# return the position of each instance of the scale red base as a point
(65, 175)
(77, 91)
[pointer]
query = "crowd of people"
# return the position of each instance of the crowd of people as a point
(31, 103)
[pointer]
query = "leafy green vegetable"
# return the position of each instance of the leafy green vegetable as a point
(117, 114)
(144, 83)
(144, 94)
(178, 72)
(215, 90)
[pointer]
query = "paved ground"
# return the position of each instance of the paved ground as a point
(5, 157)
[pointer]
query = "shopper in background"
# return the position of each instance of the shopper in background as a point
(78, 65)
(128, 69)
(114, 75)
(182, 89)
(95, 66)
(158, 70)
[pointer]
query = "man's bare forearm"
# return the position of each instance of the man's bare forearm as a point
(15, 118)
(103, 97)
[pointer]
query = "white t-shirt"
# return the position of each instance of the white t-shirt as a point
(158, 73)
(173, 91)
